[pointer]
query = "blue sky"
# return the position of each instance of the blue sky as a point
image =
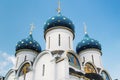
(101, 16)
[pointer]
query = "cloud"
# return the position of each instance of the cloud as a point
(6, 62)
(9, 58)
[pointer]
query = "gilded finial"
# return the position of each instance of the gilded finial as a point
(31, 28)
(85, 28)
(59, 8)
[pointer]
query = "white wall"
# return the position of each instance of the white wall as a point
(53, 70)
(52, 39)
(27, 77)
(62, 70)
(49, 73)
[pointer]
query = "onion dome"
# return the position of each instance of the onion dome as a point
(88, 43)
(59, 21)
(28, 43)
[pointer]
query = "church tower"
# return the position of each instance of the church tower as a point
(89, 51)
(59, 32)
(26, 51)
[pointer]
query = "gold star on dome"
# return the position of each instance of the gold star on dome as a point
(30, 42)
(83, 41)
(53, 18)
(64, 18)
(92, 40)
(22, 42)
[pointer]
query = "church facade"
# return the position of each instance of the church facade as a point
(59, 61)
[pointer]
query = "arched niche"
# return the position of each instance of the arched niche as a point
(24, 69)
(73, 60)
(89, 68)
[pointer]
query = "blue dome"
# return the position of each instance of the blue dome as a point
(58, 20)
(28, 43)
(87, 43)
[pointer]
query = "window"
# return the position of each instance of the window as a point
(83, 61)
(59, 40)
(92, 59)
(49, 43)
(43, 73)
(25, 58)
(69, 43)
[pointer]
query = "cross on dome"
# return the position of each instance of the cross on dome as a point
(59, 8)
(31, 28)
(85, 28)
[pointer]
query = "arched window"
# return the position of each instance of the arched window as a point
(73, 61)
(69, 43)
(105, 75)
(59, 40)
(25, 69)
(89, 68)
(92, 58)
(49, 43)
(43, 72)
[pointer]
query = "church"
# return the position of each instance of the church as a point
(58, 61)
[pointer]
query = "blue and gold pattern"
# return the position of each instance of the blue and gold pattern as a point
(87, 43)
(59, 20)
(28, 43)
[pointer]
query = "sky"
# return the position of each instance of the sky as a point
(102, 18)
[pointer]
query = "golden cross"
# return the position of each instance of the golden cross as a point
(59, 9)
(85, 28)
(31, 28)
